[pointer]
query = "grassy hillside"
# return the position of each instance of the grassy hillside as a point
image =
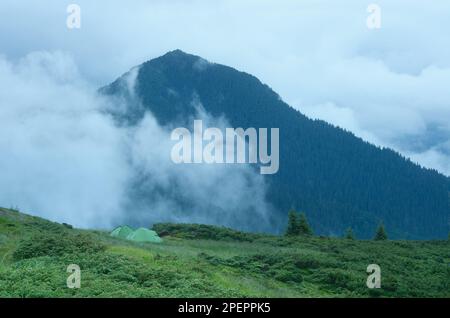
(205, 261)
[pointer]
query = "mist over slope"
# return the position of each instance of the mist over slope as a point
(62, 156)
(65, 157)
(337, 179)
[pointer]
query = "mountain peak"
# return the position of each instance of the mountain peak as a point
(176, 53)
(177, 56)
(176, 60)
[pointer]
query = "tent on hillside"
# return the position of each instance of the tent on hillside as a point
(122, 231)
(144, 235)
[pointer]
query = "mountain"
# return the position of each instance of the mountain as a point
(337, 179)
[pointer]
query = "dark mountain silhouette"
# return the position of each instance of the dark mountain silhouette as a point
(337, 179)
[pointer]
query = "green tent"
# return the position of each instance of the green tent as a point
(122, 231)
(144, 235)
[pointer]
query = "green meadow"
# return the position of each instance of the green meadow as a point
(208, 261)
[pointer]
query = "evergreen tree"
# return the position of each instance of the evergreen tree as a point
(303, 226)
(349, 234)
(292, 227)
(381, 233)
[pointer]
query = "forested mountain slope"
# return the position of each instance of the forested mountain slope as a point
(337, 179)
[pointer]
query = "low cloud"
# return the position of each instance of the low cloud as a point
(61, 157)
(388, 84)
(406, 112)
(65, 158)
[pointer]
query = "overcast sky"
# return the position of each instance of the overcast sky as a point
(388, 85)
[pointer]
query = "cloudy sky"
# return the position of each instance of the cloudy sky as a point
(389, 86)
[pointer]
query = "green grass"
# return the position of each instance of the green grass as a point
(206, 261)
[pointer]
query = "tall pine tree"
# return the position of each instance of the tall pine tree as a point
(292, 227)
(349, 234)
(304, 228)
(381, 234)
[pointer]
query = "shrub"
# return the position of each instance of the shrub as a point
(203, 232)
(307, 263)
(336, 278)
(56, 244)
(288, 275)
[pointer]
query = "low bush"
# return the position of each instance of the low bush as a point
(278, 267)
(56, 244)
(203, 232)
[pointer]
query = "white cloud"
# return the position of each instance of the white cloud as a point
(388, 85)
(56, 146)
(64, 158)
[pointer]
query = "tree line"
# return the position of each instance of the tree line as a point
(298, 226)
